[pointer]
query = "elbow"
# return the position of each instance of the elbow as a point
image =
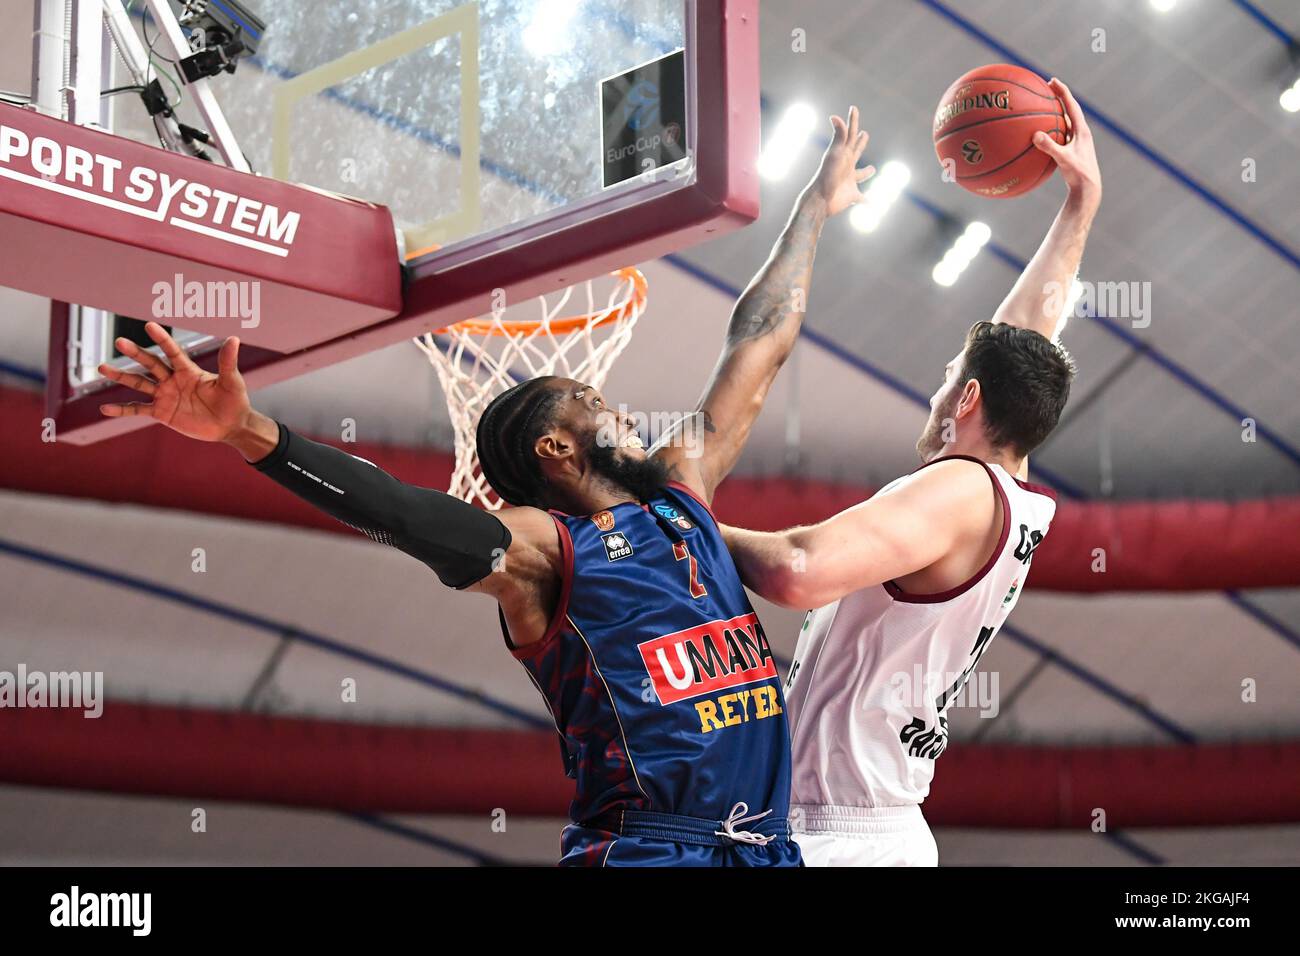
(775, 566)
(788, 586)
(813, 575)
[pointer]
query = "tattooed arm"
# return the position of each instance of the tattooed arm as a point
(765, 323)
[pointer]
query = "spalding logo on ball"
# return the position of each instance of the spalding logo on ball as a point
(984, 130)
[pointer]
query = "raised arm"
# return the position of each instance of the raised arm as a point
(903, 531)
(1039, 295)
(512, 558)
(766, 320)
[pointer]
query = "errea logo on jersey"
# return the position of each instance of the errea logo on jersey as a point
(617, 547)
(708, 658)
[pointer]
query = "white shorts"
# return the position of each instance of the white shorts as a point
(863, 836)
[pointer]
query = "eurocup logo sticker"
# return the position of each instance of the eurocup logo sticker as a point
(641, 108)
(643, 119)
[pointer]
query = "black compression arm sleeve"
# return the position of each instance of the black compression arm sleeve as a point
(459, 542)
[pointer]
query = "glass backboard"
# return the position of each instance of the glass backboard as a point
(466, 118)
(520, 145)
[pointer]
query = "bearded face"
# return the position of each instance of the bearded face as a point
(631, 471)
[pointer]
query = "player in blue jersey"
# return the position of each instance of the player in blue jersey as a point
(616, 590)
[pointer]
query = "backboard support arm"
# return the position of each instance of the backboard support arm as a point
(72, 65)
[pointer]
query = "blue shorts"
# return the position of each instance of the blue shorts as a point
(636, 838)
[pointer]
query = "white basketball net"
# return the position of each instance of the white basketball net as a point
(478, 359)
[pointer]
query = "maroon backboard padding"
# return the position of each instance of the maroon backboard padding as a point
(83, 237)
(302, 762)
(1149, 546)
(576, 244)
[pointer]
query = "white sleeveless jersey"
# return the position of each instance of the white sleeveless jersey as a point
(875, 672)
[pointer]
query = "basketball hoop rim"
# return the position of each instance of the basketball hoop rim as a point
(634, 304)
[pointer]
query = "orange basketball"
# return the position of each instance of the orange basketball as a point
(985, 126)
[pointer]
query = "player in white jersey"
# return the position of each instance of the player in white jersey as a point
(911, 586)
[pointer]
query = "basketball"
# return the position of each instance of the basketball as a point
(984, 130)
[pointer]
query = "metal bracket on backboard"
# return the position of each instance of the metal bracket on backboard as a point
(73, 45)
(71, 66)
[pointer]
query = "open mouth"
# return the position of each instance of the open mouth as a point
(633, 441)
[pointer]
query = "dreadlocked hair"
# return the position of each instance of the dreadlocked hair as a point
(506, 434)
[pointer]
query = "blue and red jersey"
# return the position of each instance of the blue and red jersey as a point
(656, 670)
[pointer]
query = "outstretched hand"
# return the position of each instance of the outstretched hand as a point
(1077, 159)
(196, 403)
(838, 181)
